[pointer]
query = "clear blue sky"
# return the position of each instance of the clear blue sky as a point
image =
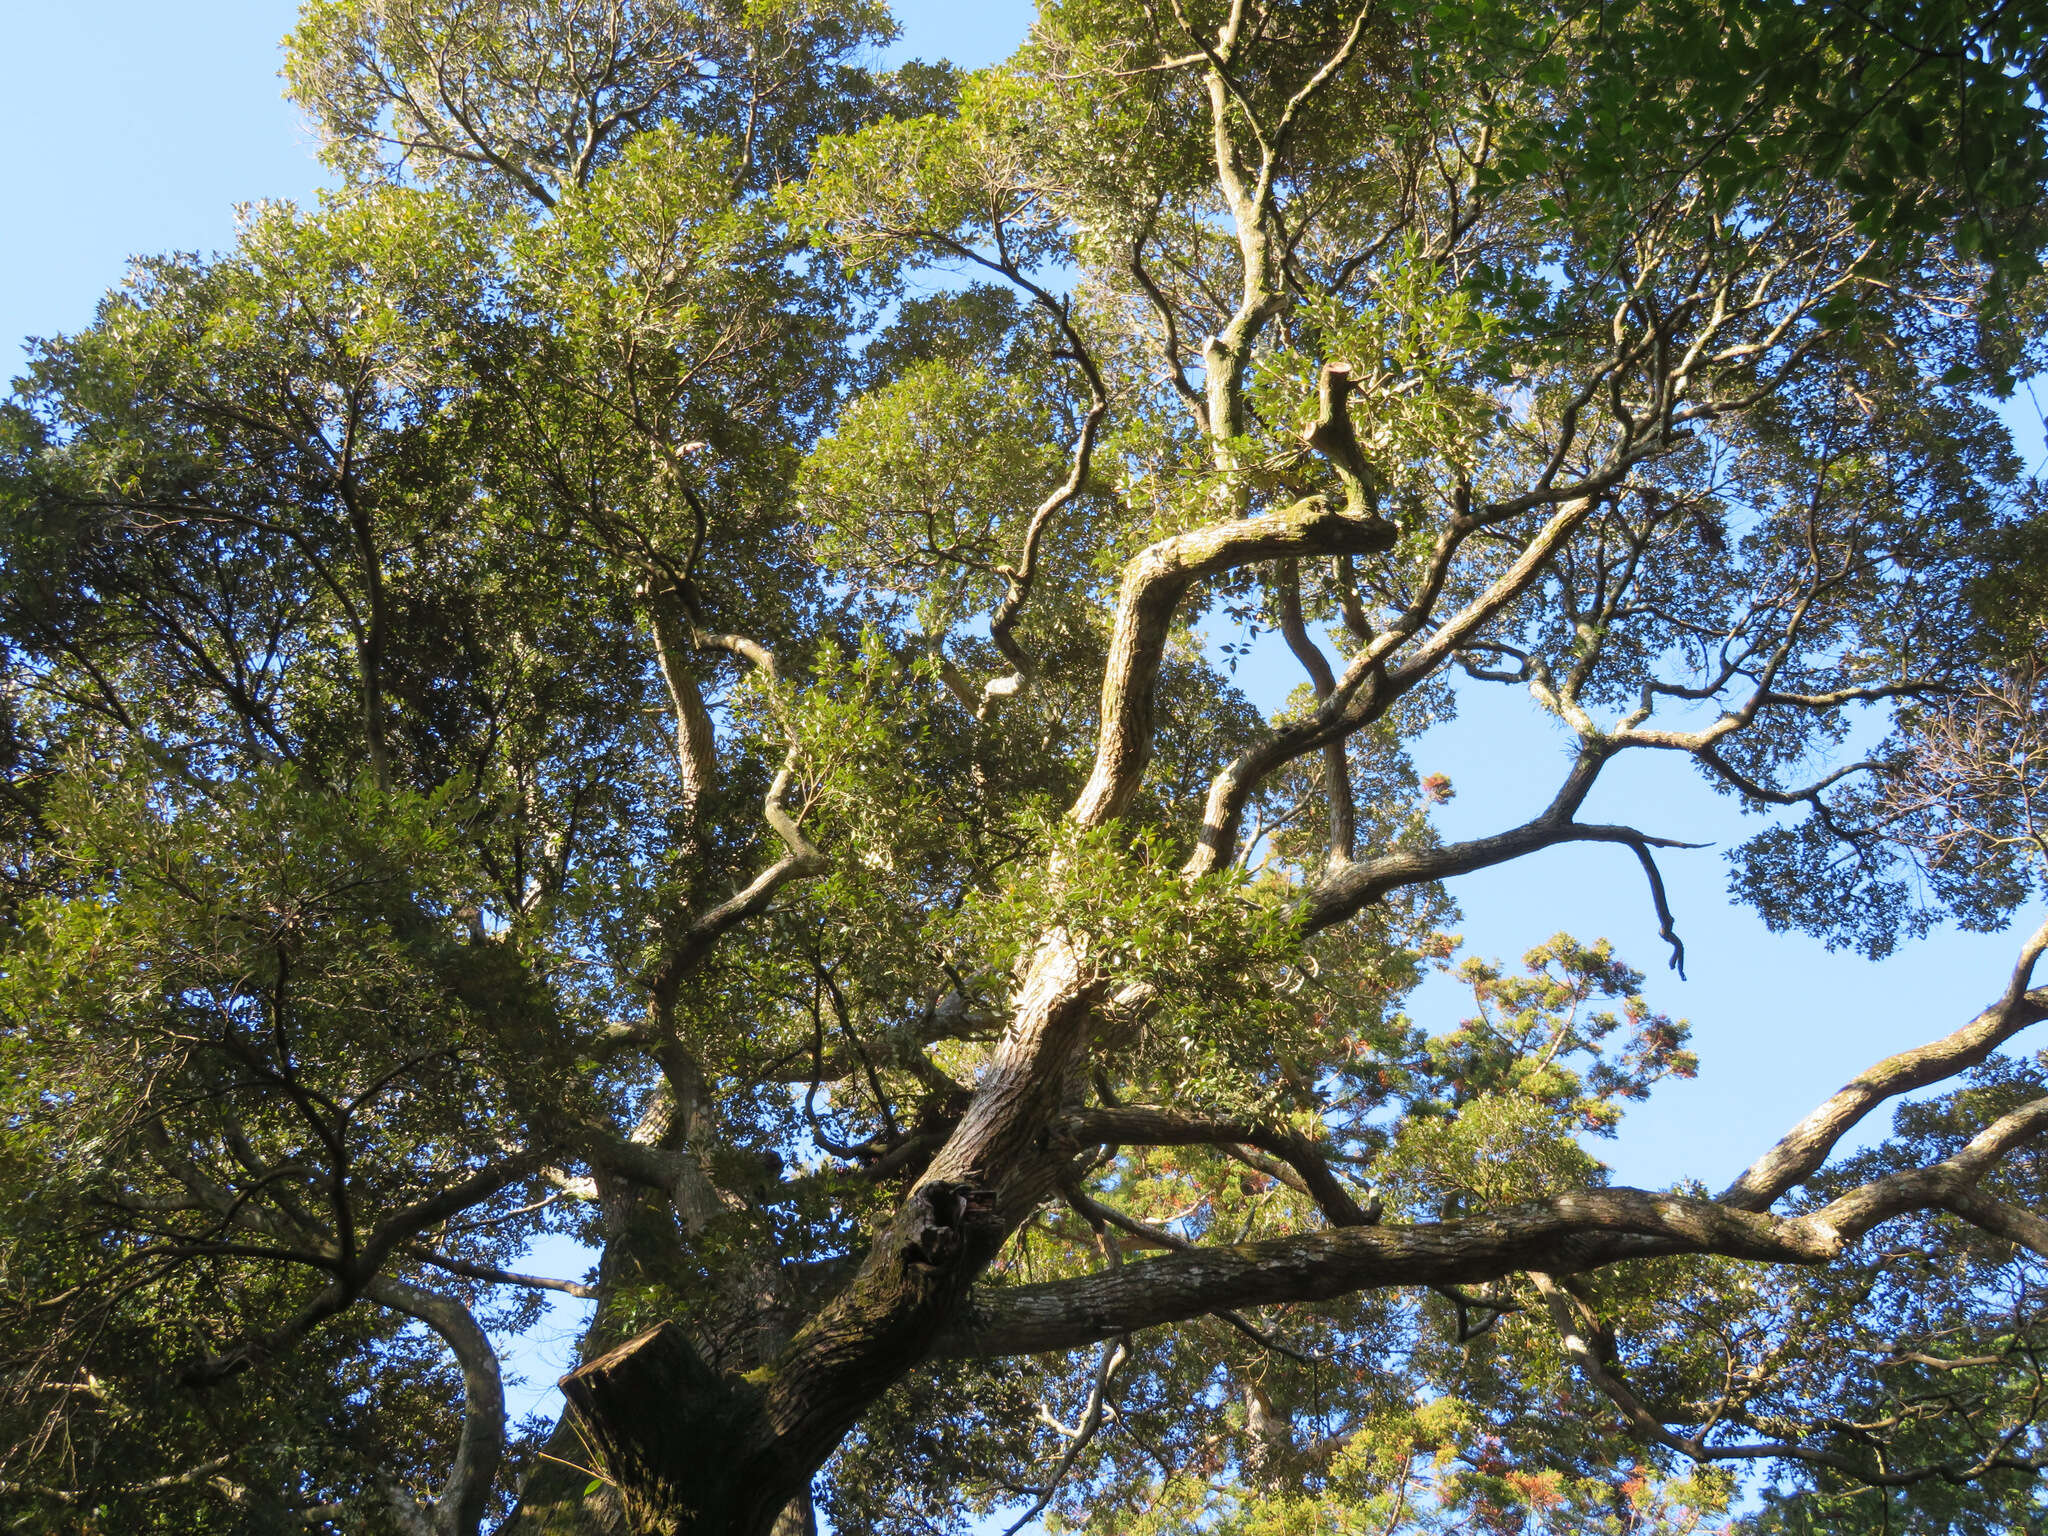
(138, 127)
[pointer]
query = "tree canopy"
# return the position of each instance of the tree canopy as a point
(657, 669)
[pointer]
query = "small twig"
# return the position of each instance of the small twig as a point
(1106, 1365)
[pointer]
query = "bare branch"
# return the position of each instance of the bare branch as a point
(1806, 1146)
(1154, 583)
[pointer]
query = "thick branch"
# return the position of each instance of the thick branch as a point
(696, 748)
(1941, 1185)
(2001, 1218)
(1334, 437)
(1566, 1232)
(460, 1506)
(1153, 585)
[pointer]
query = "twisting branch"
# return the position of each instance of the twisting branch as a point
(1466, 1305)
(1334, 437)
(1169, 340)
(1154, 582)
(696, 745)
(1077, 1438)
(1667, 927)
(464, 1499)
(800, 858)
(1019, 578)
(1369, 687)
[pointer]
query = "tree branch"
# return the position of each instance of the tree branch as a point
(464, 1499)
(1806, 1146)
(1138, 1125)
(1573, 1231)
(1154, 583)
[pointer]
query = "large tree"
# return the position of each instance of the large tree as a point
(574, 690)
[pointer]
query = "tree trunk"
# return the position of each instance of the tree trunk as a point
(568, 1492)
(679, 1446)
(669, 1432)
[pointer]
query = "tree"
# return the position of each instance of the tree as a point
(565, 692)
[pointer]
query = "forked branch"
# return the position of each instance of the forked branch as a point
(1154, 583)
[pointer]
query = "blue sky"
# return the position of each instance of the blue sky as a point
(138, 128)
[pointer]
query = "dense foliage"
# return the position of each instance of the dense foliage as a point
(657, 670)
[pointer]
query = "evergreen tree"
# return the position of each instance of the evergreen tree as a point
(573, 689)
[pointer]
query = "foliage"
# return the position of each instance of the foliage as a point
(659, 672)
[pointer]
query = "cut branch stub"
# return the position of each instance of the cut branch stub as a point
(667, 1429)
(1336, 439)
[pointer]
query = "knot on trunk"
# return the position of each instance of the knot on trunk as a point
(943, 1217)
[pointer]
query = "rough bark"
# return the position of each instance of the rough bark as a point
(690, 1449)
(1567, 1232)
(666, 1464)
